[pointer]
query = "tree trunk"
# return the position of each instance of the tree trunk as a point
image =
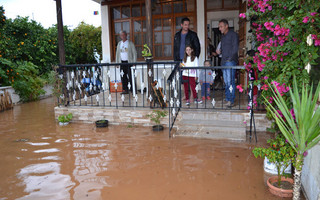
(296, 185)
(297, 177)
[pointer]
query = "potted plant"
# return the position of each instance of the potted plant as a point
(299, 125)
(155, 117)
(146, 53)
(102, 123)
(65, 119)
(281, 154)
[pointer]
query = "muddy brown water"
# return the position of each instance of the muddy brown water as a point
(42, 160)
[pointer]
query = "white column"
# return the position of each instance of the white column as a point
(105, 36)
(201, 30)
(105, 41)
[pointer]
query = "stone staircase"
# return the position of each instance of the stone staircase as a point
(211, 124)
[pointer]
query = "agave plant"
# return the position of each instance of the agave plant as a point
(302, 129)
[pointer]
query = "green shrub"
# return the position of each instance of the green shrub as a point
(65, 118)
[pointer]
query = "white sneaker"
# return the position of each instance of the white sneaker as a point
(198, 101)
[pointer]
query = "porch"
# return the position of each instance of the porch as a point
(100, 98)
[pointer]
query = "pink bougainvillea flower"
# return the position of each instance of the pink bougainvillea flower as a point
(239, 87)
(269, 25)
(313, 14)
(314, 37)
(275, 83)
(270, 100)
(264, 87)
(242, 15)
(292, 113)
(261, 66)
(265, 78)
(305, 153)
(279, 114)
(317, 42)
(305, 19)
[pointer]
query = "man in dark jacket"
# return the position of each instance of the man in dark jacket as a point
(183, 38)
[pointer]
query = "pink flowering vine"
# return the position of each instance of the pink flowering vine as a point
(281, 88)
(292, 113)
(265, 87)
(239, 87)
(305, 19)
(242, 15)
(313, 14)
(279, 114)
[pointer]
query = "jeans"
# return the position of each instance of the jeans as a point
(205, 90)
(229, 80)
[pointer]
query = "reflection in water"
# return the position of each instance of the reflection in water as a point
(38, 143)
(41, 160)
(44, 181)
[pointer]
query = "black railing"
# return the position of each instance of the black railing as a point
(212, 96)
(100, 84)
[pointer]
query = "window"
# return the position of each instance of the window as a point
(166, 16)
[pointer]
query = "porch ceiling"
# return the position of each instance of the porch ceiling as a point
(109, 2)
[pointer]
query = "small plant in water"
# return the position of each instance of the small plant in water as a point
(65, 118)
(130, 126)
(156, 115)
(280, 153)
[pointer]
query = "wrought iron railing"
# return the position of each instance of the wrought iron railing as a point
(100, 84)
(154, 84)
(214, 97)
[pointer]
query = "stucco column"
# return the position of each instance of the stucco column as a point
(201, 30)
(105, 41)
(105, 36)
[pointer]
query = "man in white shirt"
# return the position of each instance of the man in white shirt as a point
(126, 53)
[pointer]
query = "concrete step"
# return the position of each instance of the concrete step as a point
(211, 115)
(213, 125)
(222, 133)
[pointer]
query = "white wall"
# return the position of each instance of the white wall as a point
(16, 98)
(310, 177)
(201, 29)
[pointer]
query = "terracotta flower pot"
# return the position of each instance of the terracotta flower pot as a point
(279, 191)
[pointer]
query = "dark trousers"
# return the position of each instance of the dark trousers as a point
(126, 78)
(192, 82)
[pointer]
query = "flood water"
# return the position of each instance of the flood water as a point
(41, 160)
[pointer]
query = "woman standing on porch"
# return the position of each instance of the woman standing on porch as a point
(189, 76)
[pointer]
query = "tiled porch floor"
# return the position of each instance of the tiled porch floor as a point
(128, 100)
